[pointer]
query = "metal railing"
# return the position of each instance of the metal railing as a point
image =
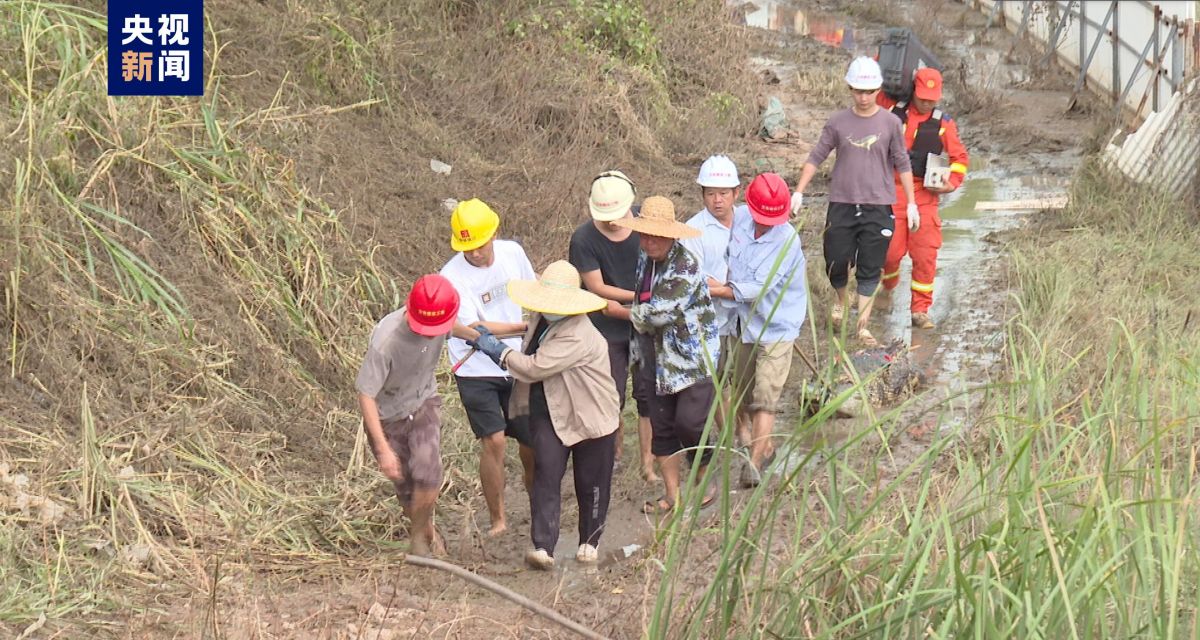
(1136, 53)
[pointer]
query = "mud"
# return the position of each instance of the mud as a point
(1022, 145)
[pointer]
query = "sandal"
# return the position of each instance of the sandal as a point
(835, 316)
(868, 340)
(659, 505)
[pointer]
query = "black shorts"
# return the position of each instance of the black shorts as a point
(486, 402)
(618, 361)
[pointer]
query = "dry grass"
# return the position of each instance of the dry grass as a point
(188, 284)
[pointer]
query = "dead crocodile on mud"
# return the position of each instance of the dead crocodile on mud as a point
(888, 374)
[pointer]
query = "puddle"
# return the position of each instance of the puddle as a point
(789, 19)
(967, 341)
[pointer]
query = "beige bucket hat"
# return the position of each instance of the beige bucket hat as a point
(556, 292)
(658, 219)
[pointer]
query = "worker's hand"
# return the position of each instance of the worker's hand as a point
(489, 344)
(390, 465)
(914, 217)
(797, 202)
(944, 188)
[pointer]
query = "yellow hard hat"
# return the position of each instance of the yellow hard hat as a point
(472, 224)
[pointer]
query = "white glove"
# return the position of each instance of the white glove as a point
(797, 202)
(914, 217)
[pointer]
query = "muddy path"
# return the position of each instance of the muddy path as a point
(1022, 145)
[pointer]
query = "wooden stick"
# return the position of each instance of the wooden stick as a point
(804, 357)
(1049, 202)
(470, 353)
(506, 593)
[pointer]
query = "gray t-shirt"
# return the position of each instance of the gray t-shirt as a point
(398, 369)
(868, 151)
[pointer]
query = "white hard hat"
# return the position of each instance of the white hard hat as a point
(720, 172)
(864, 74)
(611, 197)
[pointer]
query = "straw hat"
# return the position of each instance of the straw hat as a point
(556, 292)
(658, 219)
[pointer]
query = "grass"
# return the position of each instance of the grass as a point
(1064, 506)
(188, 284)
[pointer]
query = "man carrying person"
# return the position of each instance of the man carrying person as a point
(606, 256)
(398, 396)
(676, 343)
(481, 272)
(927, 130)
(768, 291)
(859, 222)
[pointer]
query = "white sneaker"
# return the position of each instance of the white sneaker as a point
(587, 554)
(539, 559)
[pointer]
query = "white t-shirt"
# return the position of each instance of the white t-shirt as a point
(483, 295)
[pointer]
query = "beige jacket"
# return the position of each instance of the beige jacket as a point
(572, 365)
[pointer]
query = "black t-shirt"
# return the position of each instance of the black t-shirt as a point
(617, 261)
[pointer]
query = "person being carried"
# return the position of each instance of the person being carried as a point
(564, 386)
(481, 272)
(859, 222)
(927, 130)
(606, 255)
(398, 396)
(768, 292)
(676, 345)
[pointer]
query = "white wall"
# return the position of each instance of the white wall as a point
(1135, 27)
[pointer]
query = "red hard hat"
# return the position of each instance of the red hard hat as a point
(432, 306)
(769, 199)
(927, 84)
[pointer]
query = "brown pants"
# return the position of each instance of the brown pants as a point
(417, 442)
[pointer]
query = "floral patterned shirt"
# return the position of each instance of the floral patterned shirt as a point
(673, 308)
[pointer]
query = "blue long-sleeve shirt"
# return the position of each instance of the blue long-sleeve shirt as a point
(770, 286)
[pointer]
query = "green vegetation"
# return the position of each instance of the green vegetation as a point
(1062, 505)
(188, 284)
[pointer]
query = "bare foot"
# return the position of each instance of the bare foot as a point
(419, 546)
(648, 474)
(497, 529)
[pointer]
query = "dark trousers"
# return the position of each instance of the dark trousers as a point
(593, 481)
(857, 234)
(676, 420)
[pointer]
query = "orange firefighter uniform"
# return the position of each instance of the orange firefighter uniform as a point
(934, 132)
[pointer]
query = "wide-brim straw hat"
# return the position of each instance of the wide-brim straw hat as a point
(658, 219)
(556, 292)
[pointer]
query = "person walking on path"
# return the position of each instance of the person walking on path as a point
(481, 272)
(563, 385)
(768, 292)
(606, 256)
(927, 130)
(675, 346)
(859, 223)
(398, 396)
